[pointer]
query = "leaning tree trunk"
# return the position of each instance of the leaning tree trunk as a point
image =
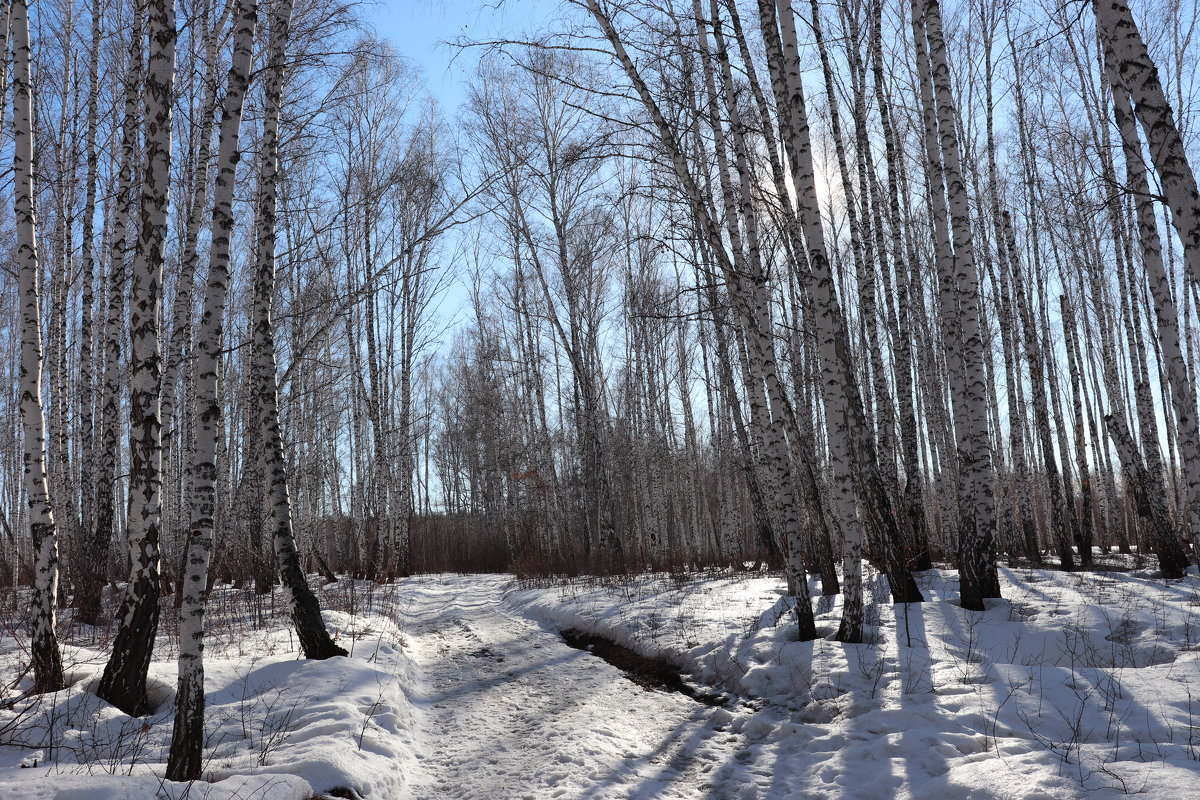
(711, 229)
(877, 477)
(187, 737)
(124, 681)
(784, 65)
(759, 328)
(850, 445)
(44, 652)
(1149, 500)
(306, 613)
(1138, 73)
(1183, 391)
(912, 499)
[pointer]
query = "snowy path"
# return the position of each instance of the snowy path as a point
(510, 711)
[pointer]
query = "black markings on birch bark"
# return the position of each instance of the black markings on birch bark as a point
(124, 680)
(959, 280)
(187, 739)
(669, 141)
(44, 650)
(305, 611)
(88, 569)
(1182, 390)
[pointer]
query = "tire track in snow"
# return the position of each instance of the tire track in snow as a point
(511, 711)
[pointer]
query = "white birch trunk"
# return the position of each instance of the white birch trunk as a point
(826, 312)
(44, 651)
(107, 456)
(1183, 391)
(670, 142)
(124, 680)
(1139, 75)
(976, 504)
(187, 739)
(306, 613)
(88, 568)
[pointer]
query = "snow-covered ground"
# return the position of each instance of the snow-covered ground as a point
(277, 727)
(1076, 685)
(510, 711)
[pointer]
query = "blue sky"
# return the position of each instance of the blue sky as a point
(421, 30)
(419, 27)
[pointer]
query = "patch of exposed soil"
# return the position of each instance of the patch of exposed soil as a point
(649, 673)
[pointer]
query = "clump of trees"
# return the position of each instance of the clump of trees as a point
(162, 173)
(829, 281)
(735, 283)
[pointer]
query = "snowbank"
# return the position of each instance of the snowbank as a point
(278, 727)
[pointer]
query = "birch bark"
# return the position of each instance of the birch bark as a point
(179, 332)
(110, 393)
(124, 680)
(1149, 498)
(1139, 74)
(961, 308)
(912, 498)
(86, 566)
(44, 650)
(669, 141)
(783, 60)
(1041, 414)
(1183, 391)
(851, 448)
(758, 324)
(187, 738)
(305, 611)
(1074, 362)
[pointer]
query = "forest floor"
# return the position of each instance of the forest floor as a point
(1075, 685)
(512, 711)
(277, 727)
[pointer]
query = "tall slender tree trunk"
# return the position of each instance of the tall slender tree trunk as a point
(760, 340)
(107, 452)
(1149, 500)
(1139, 74)
(832, 351)
(187, 738)
(305, 611)
(961, 308)
(124, 680)
(1060, 515)
(88, 569)
(669, 141)
(178, 336)
(1074, 367)
(1182, 389)
(913, 496)
(44, 651)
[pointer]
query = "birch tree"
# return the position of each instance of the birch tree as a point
(44, 650)
(187, 738)
(305, 611)
(1174, 168)
(124, 680)
(961, 309)
(670, 143)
